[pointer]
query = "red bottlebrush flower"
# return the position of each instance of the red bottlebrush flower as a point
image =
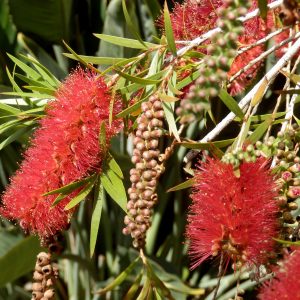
(192, 18)
(64, 149)
(286, 283)
(232, 216)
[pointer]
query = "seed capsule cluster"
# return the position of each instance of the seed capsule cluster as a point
(220, 52)
(144, 176)
(288, 163)
(44, 277)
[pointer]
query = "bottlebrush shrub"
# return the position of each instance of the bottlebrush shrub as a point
(232, 216)
(286, 283)
(194, 18)
(64, 149)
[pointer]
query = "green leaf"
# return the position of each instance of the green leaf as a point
(287, 242)
(142, 81)
(158, 283)
(113, 165)
(131, 108)
(14, 264)
(263, 8)
(169, 30)
(125, 42)
(259, 93)
(28, 70)
(96, 60)
(67, 189)
(131, 27)
(131, 294)
(145, 290)
(135, 86)
(102, 137)
(187, 80)
(207, 146)
(120, 278)
(8, 109)
(167, 98)
(81, 195)
(294, 77)
(29, 95)
(259, 131)
(42, 90)
(46, 75)
(18, 133)
(184, 185)
(169, 113)
(49, 21)
(114, 186)
(96, 217)
(231, 103)
(80, 59)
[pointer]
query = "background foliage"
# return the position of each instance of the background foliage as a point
(37, 28)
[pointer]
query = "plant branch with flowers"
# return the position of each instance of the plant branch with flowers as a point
(216, 63)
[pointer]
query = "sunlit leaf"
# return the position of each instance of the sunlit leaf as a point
(96, 216)
(125, 42)
(231, 103)
(184, 185)
(169, 30)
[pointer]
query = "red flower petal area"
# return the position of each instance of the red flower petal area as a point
(286, 283)
(232, 216)
(64, 149)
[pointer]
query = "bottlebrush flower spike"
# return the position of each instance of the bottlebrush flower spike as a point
(232, 216)
(286, 283)
(64, 149)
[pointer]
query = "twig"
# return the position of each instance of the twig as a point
(262, 56)
(196, 42)
(220, 276)
(269, 77)
(262, 41)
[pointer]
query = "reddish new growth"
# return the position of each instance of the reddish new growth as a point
(232, 216)
(64, 149)
(195, 17)
(286, 283)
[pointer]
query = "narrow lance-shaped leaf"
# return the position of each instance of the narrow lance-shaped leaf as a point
(97, 60)
(96, 217)
(169, 30)
(231, 103)
(168, 108)
(14, 264)
(184, 185)
(120, 278)
(79, 58)
(81, 195)
(142, 81)
(259, 93)
(67, 189)
(124, 42)
(158, 283)
(132, 28)
(263, 8)
(28, 70)
(114, 186)
(131, 294)
(260, 130)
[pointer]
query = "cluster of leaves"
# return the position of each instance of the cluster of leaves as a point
(138, 64)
